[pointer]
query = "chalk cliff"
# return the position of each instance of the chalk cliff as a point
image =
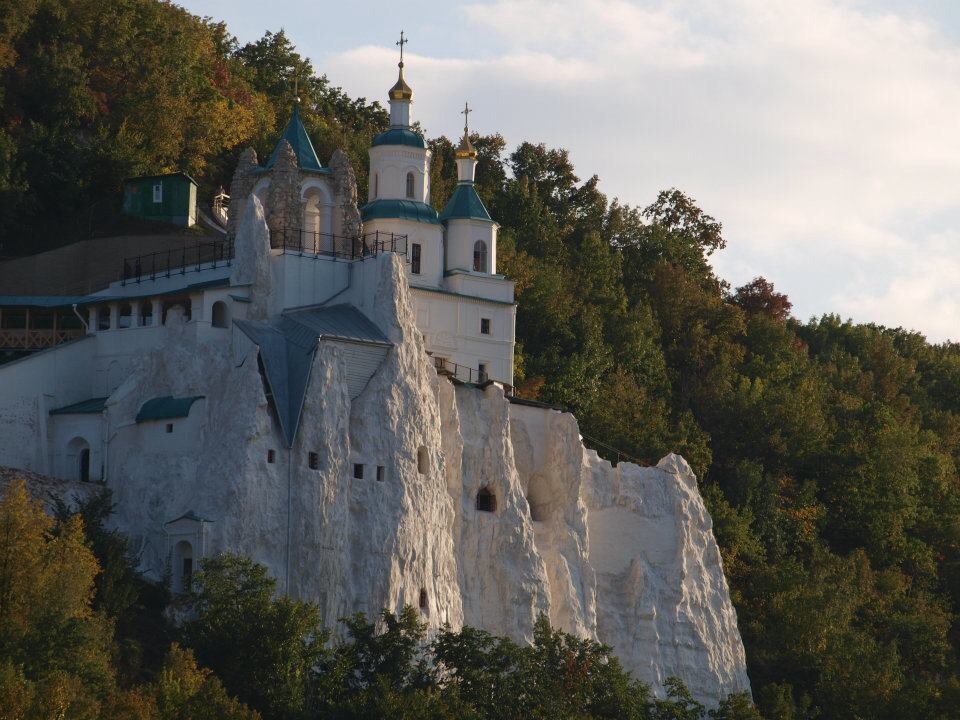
(622, 554)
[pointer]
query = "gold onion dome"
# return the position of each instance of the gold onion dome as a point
(401, 91)
(465, 149)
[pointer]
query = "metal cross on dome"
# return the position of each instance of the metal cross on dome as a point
(401, 42)
(466, 117)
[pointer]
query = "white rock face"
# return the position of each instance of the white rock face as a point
(625, 555)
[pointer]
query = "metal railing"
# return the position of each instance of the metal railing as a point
(343, 247)
(23, 339)
(460, 372)
(192, 257)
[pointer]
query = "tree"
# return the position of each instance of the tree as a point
(264, 649)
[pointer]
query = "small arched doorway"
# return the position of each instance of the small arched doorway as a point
(182, 567)
(78, 460)
(221, 315)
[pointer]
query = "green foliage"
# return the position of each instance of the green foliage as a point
(263, 648)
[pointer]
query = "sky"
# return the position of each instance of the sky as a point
(823, 134)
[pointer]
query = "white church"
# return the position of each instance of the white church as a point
(332, 396)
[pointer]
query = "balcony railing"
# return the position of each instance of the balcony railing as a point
(22, 339)
(342, 247)
(460, 372)
(192, 257)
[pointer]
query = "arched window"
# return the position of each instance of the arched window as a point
(221, 315)
(486, 500)
(423, 462)
(410, 185)
(480, 256)
(125, 319)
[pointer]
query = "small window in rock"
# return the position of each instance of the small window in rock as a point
(169, 427)
(271, 456)
(484, 326)
(486, 500)
(358, 471)
(423, 462)
(423, 600)
(313, 460)
(381, 473)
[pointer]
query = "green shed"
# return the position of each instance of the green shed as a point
(168, 198)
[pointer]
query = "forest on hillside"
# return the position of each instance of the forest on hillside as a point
(827, 450)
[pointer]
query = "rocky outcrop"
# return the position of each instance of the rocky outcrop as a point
(345, 188)
(622, 554)
(285, 207)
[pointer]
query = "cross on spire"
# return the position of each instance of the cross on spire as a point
(466, 118)
(401, 42)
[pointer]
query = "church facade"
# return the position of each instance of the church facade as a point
(333, 398)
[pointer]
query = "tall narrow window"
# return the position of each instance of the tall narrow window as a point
(410, 185)
(415, 258)
(480, 256)
(482, 372)
(376, 185)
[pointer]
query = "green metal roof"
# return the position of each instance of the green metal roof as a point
(44, 301)
(296, 135)
(86, 407)
(465, 204)
(166, 408)
(412, 210)
(400, 136)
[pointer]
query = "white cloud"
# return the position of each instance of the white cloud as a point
(822, 135)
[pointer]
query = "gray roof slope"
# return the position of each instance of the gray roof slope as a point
(287, 346)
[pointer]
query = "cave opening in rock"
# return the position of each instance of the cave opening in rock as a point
(486, 500)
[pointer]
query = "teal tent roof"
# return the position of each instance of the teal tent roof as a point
(287, 346)
(465, 203)
(296, 135)
(412, 210)
(400, 136)
(85, 407)
(166, 408)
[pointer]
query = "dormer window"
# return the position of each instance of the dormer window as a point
(410, 185)
(480, 256)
